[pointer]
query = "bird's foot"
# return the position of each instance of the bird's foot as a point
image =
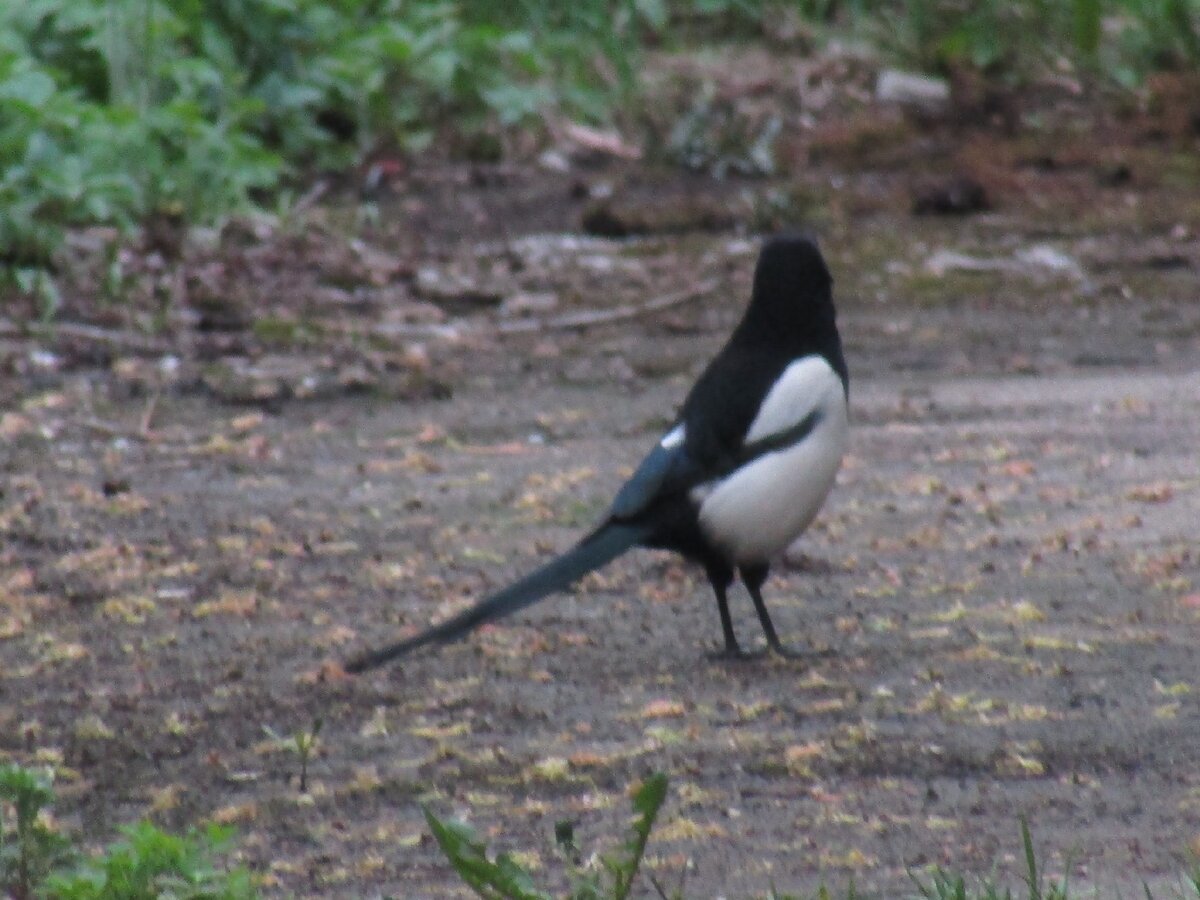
(785, 652)
(734, 653)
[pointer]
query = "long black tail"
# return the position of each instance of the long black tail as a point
(601, 546)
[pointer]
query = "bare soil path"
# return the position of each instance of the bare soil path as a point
(1002, 594)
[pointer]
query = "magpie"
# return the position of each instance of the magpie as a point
(742, 470)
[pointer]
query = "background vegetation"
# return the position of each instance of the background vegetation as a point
(117, 111)
(37, 860)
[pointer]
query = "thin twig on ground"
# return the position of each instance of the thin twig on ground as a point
(590, 317)
(111, 429)
(148, 414)
(567, 322)
(125, 339)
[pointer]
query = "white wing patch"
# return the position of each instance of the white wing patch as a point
(804, 386)
(673, 438)
(759, 509)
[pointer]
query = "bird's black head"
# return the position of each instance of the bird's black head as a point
(791, 308)
(792, 286)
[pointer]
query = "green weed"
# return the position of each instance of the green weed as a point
(118, 110)
(29, 850)
(147, 863)
(610, 877)
(303, 743)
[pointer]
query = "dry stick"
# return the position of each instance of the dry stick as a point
(111, 430)
(310, 197)
(584, 319)
(591, 317)
(148, 415)
(126, 339)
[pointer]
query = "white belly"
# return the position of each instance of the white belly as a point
(761, 508)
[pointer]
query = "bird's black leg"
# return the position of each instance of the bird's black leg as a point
(753, 577)
(720, 577)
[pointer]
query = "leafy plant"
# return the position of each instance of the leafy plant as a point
(301, 742)
(610, 878)
(149, 863)
(120, 110)
(945, 886)
(993, 36)
(1151, 35)
(117, 111)
(36, 861)
(29, 850)
(1121, 40)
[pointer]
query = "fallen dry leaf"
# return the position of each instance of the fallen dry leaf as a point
(235, 812)
(552, 768)
(684, 829)
(662, 709)
(92, 728)
(329, 671)
(1018, 468)
(377, 725)
(248, 422)
(585, 759)
(13, 425)
(1159, 492)
(340, 634)
(365, 779)
(238, 603)
(853, 860)
(166, 798)
(799, 758)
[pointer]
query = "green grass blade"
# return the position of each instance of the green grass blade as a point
(646, 804)
(1035, 888)
(1087, 22)
(467, 854)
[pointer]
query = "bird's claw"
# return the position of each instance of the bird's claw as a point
(785, 652)
(735, 653)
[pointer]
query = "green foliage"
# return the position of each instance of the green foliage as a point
(589, 48)
(146, 864)
(611, 878)
(29, 850)
(1121, 40)
(116, 110)
(616, 872)
(945, 886)
(149, 863)
(501, 877)
(1152, 35)
(301, 742)
(993, 36)
(1088, 26)
(1118, 39)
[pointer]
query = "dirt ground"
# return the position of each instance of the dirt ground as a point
(336, 442)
